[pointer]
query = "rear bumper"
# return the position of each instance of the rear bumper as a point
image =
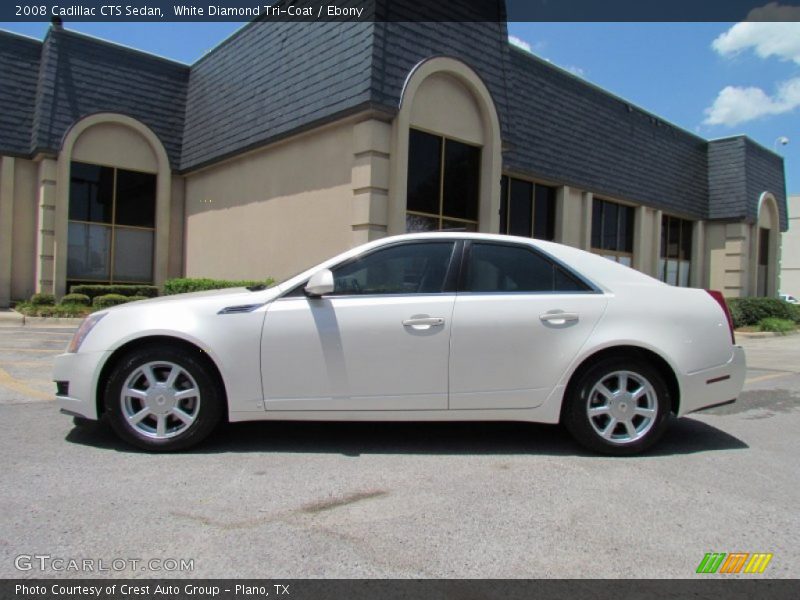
(715, 386)
(80, 372)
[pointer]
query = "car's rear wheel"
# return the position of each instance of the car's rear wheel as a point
(617, 406)
(163, 399)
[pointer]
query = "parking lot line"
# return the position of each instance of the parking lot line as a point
(9, 382)
(765, 377)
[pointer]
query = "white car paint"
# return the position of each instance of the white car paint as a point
(491, 358)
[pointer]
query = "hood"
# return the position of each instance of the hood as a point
(214, 299)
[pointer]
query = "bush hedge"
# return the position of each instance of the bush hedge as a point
(109, 300)
(776, 325)
(183, 285)
(43, 300)
(137, 298)
(95, 290)
(751, 311)
(60, 310)
(79, 299)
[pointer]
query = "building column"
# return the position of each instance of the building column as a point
(6, 227)
(586, 220)
(370, 180)
(737, 282)
(641, 249)
(697, 277)
(46, 226)
(655, 243)
(562, 215)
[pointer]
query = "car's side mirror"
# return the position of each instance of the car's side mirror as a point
(321, 283)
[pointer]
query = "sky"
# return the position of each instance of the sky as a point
(713, 79)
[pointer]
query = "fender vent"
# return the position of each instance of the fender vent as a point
(242, 308)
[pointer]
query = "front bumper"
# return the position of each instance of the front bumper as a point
(81, 372)
(715, 386)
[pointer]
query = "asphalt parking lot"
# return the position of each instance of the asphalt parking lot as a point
(488, 500)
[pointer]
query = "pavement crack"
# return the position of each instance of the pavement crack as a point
(330, 504)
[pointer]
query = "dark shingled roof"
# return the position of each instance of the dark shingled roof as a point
(81, 75)
(270, 79)
(273, 79)
(740, 170)
(19, 69)
(566, 129)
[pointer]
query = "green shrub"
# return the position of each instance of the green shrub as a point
(136, 298)
(184, 284)
(79, 299)
(750, 311)
(109, 300)
(61, 310)
(777, 325)
(43, 300)
(95, 290)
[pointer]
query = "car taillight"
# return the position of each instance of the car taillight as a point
(724, 305)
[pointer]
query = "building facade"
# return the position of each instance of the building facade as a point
(790, 250)
(290, 142)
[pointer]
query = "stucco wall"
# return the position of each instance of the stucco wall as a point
(23, 253)
(273, 212)
(790, 251)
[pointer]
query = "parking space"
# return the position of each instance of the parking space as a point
(401, 500)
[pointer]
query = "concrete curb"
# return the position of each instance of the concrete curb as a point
(11, 318)
(757, 335)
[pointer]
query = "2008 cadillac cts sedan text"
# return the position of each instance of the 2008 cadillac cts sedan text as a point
(419, 327)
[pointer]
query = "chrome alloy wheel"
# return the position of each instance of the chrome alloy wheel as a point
(160, 400)
(622, 407)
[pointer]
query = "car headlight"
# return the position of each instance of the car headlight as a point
(86, 326)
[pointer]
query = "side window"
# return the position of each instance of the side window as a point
(416, 268)
(501, 268)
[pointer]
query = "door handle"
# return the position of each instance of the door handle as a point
(423, 322)
(558, 318)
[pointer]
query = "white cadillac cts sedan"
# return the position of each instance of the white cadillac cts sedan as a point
(420, 327)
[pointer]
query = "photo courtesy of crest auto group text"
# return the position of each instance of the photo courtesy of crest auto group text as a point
(385, 298)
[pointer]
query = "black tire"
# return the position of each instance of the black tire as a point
(628, 431)
(205, 407)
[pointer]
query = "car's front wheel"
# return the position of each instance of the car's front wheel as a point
(162, 398)
(617, 406)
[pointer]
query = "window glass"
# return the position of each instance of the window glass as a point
(610, 226)
(597, 224)
(133, 255)
(91, 193)
(417, 223)
(504, 204)
(564, 282)
(521, 208)
(686, 240)
(462, 167)
(443, 183)
(124, 202)
(458, 226)
(612, 230)
(418, 268)
(136, 199)
(424, 171)
(544, 218)
(676, 251)
(499, 268)
(88, 251)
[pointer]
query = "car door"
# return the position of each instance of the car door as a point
(519, 320)
(380, 341)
